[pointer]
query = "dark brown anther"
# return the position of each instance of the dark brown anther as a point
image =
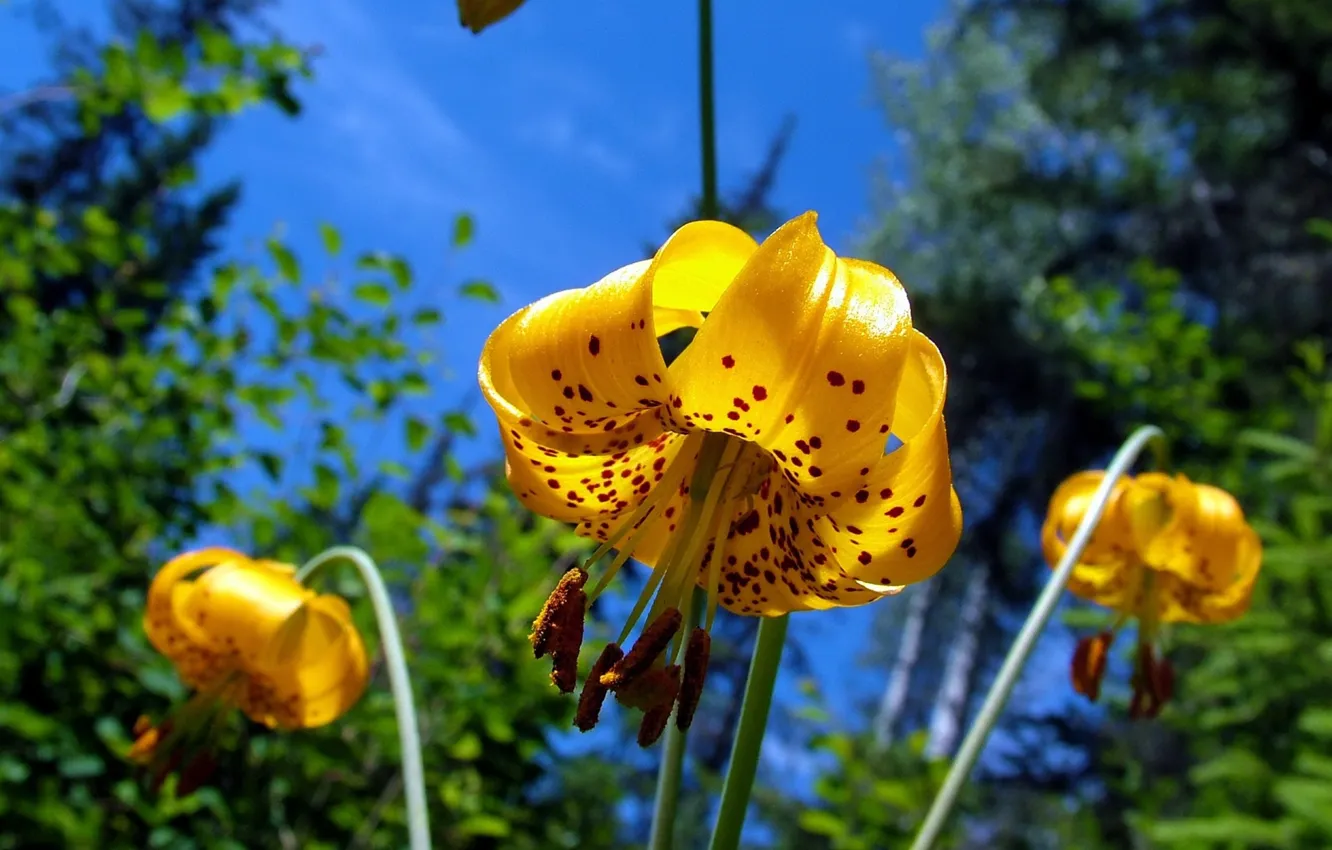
(650, 644)
(658, 715)
(1153, 684)
(555, 613)
(1089, 660)
(594, 693)
(695, 671)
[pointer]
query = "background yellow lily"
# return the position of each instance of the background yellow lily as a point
(1166, 550)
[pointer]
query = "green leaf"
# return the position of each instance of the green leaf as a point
(464, 229)
(490, 826)
(272, 464)
(466, 747)
(332, 239)
(286, 261)
(373, 293)
(822, 822)
(1317, 722)
(479, 290)
(417, 433)
(164, 99)
(427, 316)
(459, 423)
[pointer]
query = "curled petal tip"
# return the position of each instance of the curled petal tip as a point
(882, 589)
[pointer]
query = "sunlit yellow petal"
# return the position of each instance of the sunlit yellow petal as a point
(668, 319)
(802, 355)
(1107, 572)
(903, 524)
(316, 668)
(242, 606)
(697, 264)
(173, 635)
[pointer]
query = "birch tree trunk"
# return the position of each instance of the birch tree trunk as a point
(894, 698)
(950, 706)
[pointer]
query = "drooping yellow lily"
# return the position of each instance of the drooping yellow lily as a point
(753, 466)
(1166, 550)
(244, 634)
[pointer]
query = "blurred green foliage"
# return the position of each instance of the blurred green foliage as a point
(139, 374)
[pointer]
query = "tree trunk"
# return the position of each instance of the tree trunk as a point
(908, 654)
(950, 707)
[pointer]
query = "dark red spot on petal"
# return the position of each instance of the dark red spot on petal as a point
(760, 393)
(556, 375)
(584, 393)
(640, 380)
(920, 501)
(857, 387)
(568, 392)
(862, 496)
(728, 361)
(790, 417)
(865, 557)
(594, 346)
(893, 512)
(816, 442)
(815, 472)
(836, 379)
(852, 425)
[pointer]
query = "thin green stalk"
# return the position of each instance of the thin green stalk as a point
(672, 760)
(400, 683)
(709, 206)
(749, 734)
(1008, 674)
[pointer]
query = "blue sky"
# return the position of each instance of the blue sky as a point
(569, 132)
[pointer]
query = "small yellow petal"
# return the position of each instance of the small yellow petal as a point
(697, 264)
(802, 355)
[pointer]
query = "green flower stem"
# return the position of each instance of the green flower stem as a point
(710, 207)
(400, 683)
(749, 735)
(672, 760)
(1008, 674)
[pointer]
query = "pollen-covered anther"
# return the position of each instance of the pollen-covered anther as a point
(594, 693)
(547, 624)
(650, 644)
(695, 671)
(655, 717)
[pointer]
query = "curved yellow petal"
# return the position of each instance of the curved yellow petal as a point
(1182, 601)
(697, 264)
(315, 670)
(165, 621)
(1220, 540)
(1106, 573)
(241, 607)
(580, 357)
(802, 355)
(903, 522)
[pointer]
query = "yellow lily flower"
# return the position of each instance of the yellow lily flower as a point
(476, 15)
(1167, 550)
(753, 466)
(244, 634)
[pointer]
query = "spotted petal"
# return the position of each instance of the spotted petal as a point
(904, 522)
(1182, 601)
(577, 378)
(802, 355)
(1106, 573)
